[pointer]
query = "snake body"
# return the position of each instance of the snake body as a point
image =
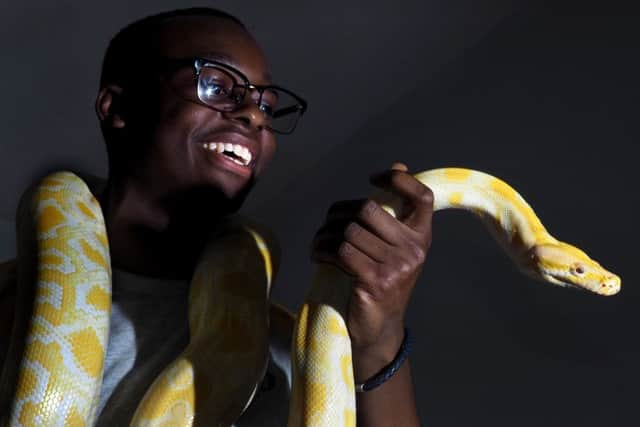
(321, 338)
(60, 374)
(65, 269)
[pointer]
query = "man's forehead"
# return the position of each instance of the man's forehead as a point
(229, 60)
(217, 39)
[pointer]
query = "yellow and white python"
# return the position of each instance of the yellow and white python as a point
(53, 372)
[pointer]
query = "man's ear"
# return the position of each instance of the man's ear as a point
(109, 107)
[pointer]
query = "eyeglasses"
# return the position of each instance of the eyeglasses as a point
(225, 88)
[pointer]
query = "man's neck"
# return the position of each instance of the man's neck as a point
(155, 235)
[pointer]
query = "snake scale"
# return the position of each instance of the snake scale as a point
(53, 375)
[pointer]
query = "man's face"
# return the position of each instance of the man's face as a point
(177, 130)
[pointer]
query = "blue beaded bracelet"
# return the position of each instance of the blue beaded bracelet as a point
(388, 371)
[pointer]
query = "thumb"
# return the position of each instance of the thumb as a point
(399, 167)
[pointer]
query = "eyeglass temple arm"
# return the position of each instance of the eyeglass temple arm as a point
(287, 110)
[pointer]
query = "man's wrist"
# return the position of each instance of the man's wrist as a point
(370, 359)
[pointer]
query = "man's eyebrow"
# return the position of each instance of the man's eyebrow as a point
(223, 57)
(216, 56)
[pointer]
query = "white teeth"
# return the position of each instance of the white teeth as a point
(238, 150)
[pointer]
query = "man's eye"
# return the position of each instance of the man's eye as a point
(214, 89)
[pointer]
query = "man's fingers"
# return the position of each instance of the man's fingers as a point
(418, 198)
(333, 234)
(344, 210)
(347, 257)
(369, 215)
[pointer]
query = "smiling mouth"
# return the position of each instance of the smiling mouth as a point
(237, 153)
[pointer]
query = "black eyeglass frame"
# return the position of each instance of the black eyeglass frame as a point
(199, 63)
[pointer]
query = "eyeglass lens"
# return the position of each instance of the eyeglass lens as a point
(219, 89)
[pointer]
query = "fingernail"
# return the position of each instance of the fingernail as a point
(399, 166)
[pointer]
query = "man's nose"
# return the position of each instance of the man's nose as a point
(249, 114)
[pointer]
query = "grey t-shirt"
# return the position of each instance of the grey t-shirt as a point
(149, 329)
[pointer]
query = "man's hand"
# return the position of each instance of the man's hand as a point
(384, 255)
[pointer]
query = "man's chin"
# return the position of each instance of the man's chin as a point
(235, 202)
(218, 200)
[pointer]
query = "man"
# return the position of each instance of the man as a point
(168, 114)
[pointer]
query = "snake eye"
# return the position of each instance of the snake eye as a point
(577, 269)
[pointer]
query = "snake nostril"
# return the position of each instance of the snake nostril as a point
(610, 284)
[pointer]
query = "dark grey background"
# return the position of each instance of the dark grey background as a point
(545, 98)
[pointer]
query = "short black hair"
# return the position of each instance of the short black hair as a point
(128, 47)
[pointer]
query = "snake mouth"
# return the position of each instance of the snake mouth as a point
(561, 280)
(608, 285)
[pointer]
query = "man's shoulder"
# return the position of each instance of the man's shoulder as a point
(8, 276)
(8, 281)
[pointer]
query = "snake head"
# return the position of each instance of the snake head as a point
(565, 265)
